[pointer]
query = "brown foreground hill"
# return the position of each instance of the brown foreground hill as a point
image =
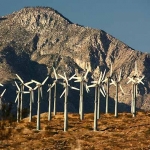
(33, 38)
(124, 132)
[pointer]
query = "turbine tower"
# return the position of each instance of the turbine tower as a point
(50, 100)
(116, 83)
(40, 95)
(31, 91)
(83, 80)
(135, 79)
(107, 80)
(66, 86)
(98, 84)
(1, 96)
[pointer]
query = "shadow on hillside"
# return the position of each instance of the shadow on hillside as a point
(1, 19)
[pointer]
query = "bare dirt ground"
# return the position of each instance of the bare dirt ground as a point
(124, 133)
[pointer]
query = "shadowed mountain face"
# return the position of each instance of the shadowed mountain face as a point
(34, 38)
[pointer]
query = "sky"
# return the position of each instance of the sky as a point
(126, 20)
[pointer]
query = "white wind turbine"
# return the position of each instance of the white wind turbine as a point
(108, 80)
(116, 83)
(40, 95)
(18, 99)
(135, 79)
(83, 80)
(31, 91)
(66, 86)
(21, 94)
(98, 84)
(55, 88)
(50, 100)
(1, 96)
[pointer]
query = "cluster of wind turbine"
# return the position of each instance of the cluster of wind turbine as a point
(135, 80)
(99, 88)
(83, 81)
(116, 83)
(40, 95)
(66, 86)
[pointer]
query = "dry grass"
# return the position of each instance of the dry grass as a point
(123, 132)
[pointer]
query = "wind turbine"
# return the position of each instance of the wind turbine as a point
(50, 100)
(1, 96)
(135, 79)
(40, 95)
(116, 83)
(55, 88)
(31, 91)
(98, 84)
(66, 86)
(107, 80)
(18, 99)
(83, 80)
(21, 94)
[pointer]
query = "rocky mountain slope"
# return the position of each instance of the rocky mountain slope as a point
(33, 38)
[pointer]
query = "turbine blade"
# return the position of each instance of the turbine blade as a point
(122, 89)
(45, 80)
(102, 92)
(113, 82)
(136, 71)
(27, 86)
(25, 92)
(110, 69)
(63, 93)
(85, 76)
(77, 80)
(72, 77)
(20, 78)
(27, 83)
(62, 76)
(104, 75)
(93, 85)
(74, 88)
(66, 78)
(55, 73)
(35, 82)
(35, 88)
(87, 89)
(17, 86)
(3, 93)
(120, 75)
(100, 77)
(53, 84)
(17, 97)
(95, 82)
(1, 84)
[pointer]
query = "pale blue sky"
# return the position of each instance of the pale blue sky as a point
(127, 20)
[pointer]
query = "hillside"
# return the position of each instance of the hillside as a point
(123, 132)
(33, 39)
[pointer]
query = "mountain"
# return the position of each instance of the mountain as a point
(35, 38)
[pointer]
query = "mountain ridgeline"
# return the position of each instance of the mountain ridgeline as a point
(33, 39)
